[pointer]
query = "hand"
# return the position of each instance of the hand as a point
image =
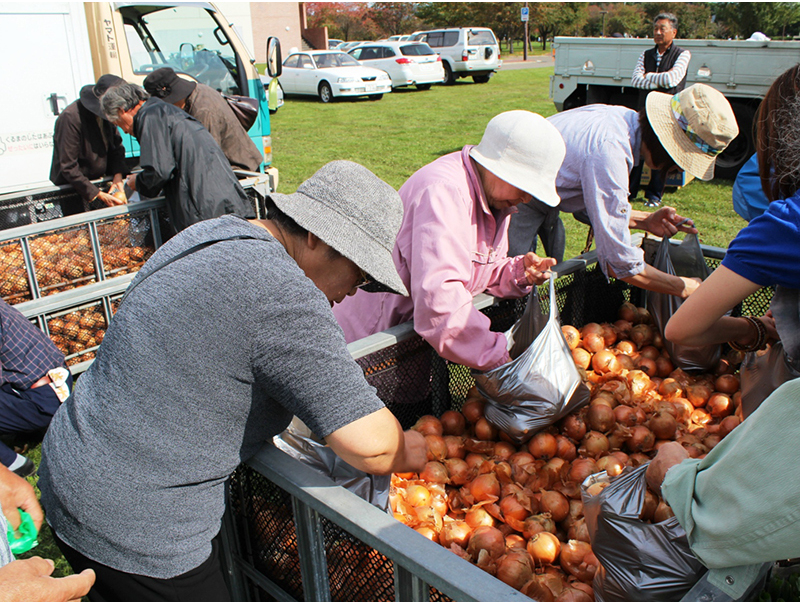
(664, 223)
(668, 456)
(131, 182)
(17, 493)
(416, 452)
(30, 580)
(536, 268)
(769, 322)
(690, 285)
(109, 200)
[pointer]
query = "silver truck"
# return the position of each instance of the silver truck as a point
(598, 70)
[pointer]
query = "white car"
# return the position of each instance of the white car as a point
(330, 74)
(465, 51)
(407, 63)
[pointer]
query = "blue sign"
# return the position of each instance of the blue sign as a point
(525, 13)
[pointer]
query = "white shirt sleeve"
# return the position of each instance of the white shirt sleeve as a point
(638, 79)
(671, 78)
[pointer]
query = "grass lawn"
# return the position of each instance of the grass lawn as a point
(408, 129)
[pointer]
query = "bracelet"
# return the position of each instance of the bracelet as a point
(761, 336)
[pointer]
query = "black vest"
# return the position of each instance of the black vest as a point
(667, 63)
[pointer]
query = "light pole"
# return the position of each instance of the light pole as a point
(603, 32)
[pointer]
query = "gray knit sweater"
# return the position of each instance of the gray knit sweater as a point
(205, 360)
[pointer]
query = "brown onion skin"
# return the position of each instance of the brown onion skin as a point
(727, 425)
(437, 448)
(720, 405)
(473, 410)
(485, 430)
(601, 418)
(543, 445)
(575, 427)
(642, 439)
(428, 425)
(572, 336)
(582, 358)
(663, 426)
(515, 568)
(544, 547)
(555, 503)
(565, 449)
(486, 538)
(453, 423)
(727, 384)
(455, 447)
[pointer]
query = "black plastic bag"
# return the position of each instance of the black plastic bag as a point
(685, 260)
(542, 384)
(639, 561)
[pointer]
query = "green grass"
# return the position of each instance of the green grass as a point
(409, 128)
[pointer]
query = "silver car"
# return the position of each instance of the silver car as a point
(407, 63)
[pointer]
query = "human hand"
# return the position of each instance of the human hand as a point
(668, 456)
(109, 199)
(536, 268)
(665, 222)
(769, 323)
(30, 580)
(131, 182)
(690, 285)
(17, 493)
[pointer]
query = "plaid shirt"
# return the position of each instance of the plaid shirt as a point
(26, 353)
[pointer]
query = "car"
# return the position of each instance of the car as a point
(330, 74)
(333, 43)
(465, 51)
(407, 63)
(345, 46)
(399, 38)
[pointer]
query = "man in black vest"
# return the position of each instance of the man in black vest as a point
(661, 68)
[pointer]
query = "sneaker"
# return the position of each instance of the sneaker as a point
(652, 203)
(28, 468)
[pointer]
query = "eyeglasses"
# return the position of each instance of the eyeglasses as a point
(363, 280)
(369, 284)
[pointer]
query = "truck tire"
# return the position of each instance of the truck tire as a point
(449, 76)
(480, 79)
(741, 148)
(325, 92)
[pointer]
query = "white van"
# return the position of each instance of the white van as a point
(465, 52)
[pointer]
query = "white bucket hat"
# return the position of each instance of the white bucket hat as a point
(525, 150)
(355, 212)
(694, 126)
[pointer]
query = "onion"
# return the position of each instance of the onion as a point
(485, 430)
(515, 541)
(664, 366)
(601, 418)
(727, 425)
(595, 444)
(437, 449)
(626, 347)
(609, 335)
(569, 489)
(574, 427)
(572, 336)
(618, 437)
(544, 547)
(582, 358)
(621, 456)
(515, 568)
(723, 367)
(565, 449)
(651, 352)
(576, 558)
(626, 363)
(683, 409)
(510, 506)
(591, 327)
(698, 394)
(662, 512)
(611, 465)
(663, 426)
(647, 365)
(581, 469)
(473, 410)
(649, 506)
(574, 594)
(428, 532)
(543, 445)
(623, 327)
(428, 425)
(642, 439)
(484, 487)
(625, 415)
(628, 312)
(604, 361)
(434, 472)
(711, 440)
(720, 405)
(670, 388)
(538, 523)
(503, 451)
(457, 532)
(700, 417)
(453, 423)
(642, 335)
(458, 470)
(579, 530)
(644, 316)
(727, 384)
(485, 538)
(554, 503)
(638, 458)
(593, 342)
(455, 447)
(475, 460)
(417, 495)
(478, 516)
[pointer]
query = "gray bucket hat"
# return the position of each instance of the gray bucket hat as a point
(353, 211)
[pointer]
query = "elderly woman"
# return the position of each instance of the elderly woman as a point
(224, 335)
(765, 252)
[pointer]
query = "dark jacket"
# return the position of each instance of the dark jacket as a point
(667, 63)
(179, 156)
(207, 106)
(80, 152)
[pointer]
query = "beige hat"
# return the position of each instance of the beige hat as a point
(694, 126)
(525, 150)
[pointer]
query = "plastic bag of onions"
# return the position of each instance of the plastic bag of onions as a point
(686, 260)
(639, 561)
(538, 387)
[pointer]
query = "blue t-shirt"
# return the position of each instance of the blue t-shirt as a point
(766, 250)
(749, 200)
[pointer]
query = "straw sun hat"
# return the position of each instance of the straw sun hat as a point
(694, 126)
(353, 211)
(525, 150)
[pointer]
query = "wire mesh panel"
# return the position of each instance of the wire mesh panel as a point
(78, 332)
(37, 207)
(14, 286)
(63, 259)
(126, 243)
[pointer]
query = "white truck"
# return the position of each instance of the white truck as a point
(598, 70)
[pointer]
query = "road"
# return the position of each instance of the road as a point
(533, 62)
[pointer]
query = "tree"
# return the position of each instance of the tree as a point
(625, 19)
(775, 19)
(395, 18)
(345, 20)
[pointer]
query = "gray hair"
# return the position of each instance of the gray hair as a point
(123, 97)
(667, 17)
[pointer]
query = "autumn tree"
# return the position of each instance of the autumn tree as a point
(395, 18)
(345, 20)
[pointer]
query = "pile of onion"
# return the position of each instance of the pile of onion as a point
(516, 511)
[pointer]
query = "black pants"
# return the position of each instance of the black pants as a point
(206, 582)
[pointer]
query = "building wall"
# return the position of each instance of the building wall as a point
(280, 19)
(238, 14)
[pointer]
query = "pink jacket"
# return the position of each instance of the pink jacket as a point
(450, 247)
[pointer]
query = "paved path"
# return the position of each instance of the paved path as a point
(516, 61)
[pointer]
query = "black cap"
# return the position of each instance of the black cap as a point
(166, 85)
(90, 95)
